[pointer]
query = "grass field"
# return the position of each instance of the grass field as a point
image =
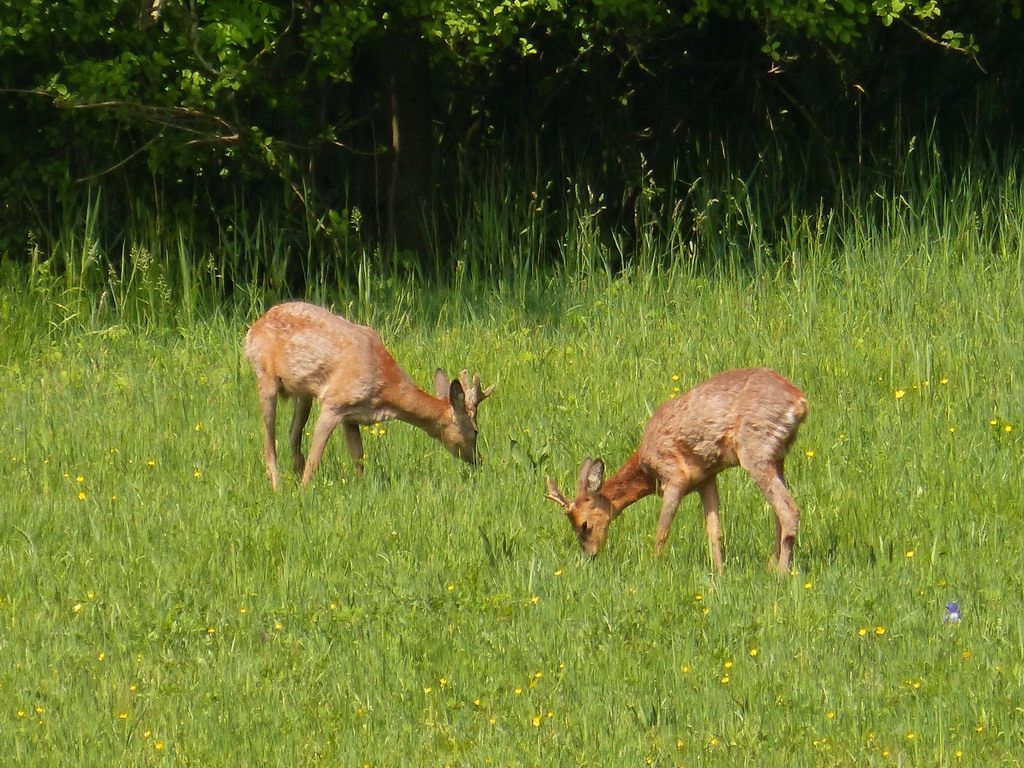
(160, 605)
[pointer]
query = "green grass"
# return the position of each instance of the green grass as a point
(160, 605)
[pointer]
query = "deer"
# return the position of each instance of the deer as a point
(307, 352)
(747, 417)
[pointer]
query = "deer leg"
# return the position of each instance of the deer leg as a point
(300, 416)
(268, 405)
(769, 478)
(708, 491)
(354, 441)
(669, 504)
(325, 424)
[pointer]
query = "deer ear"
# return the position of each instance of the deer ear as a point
(457, 395)
(591, 477)
(595, 476)
(440, 383)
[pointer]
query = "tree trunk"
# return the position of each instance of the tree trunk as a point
(409, 191)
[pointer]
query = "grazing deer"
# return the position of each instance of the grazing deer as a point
(301, 350)
(744, 417)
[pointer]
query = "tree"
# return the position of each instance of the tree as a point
(359, 103)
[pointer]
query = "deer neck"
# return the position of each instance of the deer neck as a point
(401, 399)
(631, 483)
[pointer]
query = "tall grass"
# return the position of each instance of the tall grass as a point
(161, 605)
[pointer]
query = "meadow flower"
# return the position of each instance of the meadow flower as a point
(536, 721)
(952, 612)
(909, 554)
(899, 393)
(809, 454)
(82, 496)
(753, 652)
(879, 630)
(862, 631)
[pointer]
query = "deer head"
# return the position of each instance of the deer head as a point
(591, 511)
(458, 434)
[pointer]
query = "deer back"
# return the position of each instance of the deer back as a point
(753, 409)
(311, 351)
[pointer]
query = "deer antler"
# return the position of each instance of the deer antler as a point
(474, 394)
(556, 495)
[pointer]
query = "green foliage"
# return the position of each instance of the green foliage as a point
(287, 103)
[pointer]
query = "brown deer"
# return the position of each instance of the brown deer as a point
(745, 417)
(302, 350)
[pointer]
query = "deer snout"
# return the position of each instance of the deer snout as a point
(467, 453)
